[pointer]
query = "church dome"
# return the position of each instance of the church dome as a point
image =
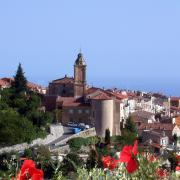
(80, 60)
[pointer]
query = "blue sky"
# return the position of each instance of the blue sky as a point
(131, 44)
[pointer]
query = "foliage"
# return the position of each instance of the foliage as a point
(20, 117)
(130, 126)
(43, 159)
(175, 139)
(57, 115)
(43, 155)
(58, 176)
(76, 143)
(149, 169)
(93, 140)
(20, 81)
(91, 160)
(119, 173)
(107, 136)
(93, 174)
(28, 153)
(173, 160)
(14, 128)
(127, 138)
(71, 163)
(40, 119)
(8, 165)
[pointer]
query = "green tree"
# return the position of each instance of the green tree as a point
(20, 81)
(130, 126)
(34, 101)
(107, 136)
(15, 129)
(6, 98)
(21, 116)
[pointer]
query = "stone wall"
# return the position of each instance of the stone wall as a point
(87, 133)
(79, 114)
(56, 132)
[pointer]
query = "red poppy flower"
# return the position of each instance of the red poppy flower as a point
(132, 165)
(161, 173)
(109, 162)
(113, 164)
(177, 168)
(28, 170)
(106, 161)
(128, 155)
(178, 157)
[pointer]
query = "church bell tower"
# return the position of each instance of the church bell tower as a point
(79, 76)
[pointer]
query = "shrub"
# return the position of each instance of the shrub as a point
(76, 143)
(71, 163)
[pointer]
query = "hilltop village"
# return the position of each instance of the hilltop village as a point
(155, 115)
(91, 111)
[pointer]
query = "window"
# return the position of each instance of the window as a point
(71, 111)
(64, 91)
(163, 142)
(87, 111)
(80, 111)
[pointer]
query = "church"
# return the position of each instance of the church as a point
(67, 94)
(75, 102)
(69, 86)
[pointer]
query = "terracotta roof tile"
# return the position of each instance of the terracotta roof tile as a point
(33, 85)
(4, 83)
(102, 96)
(117, 95)
(64, 80)
(175, 108)
(156, 126)
(8, 82)
(177, 121)
(71, 102)
(175, 98)
(91, 90)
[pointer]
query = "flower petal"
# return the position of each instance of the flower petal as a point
(125, 154)
(37, 177)
(135, 148)
(26, 165)
(132, 165)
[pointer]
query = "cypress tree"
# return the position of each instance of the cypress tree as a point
(107, 136)
(20, 81)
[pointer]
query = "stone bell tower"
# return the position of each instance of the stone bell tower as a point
(79, 76)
